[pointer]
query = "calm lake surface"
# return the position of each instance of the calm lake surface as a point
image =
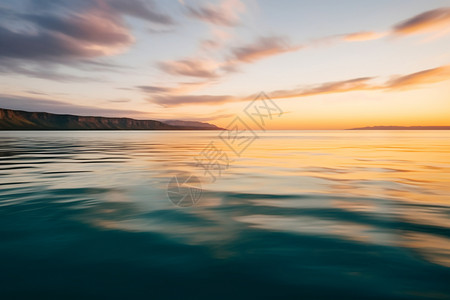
(299, 215)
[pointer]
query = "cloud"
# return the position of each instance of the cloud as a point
(210, 117)
(202, 118)
(262, 48)
(226, 13)
(93, 28)
(325, 88)
(212, 70)
(180, 88)
(60, 107)
(209, 68)
(155, 89)
(178, 100)
(123, 100)
(217, 40)
(146, 10)
(176, 95)
(194, 67)
(363, 36)
(425, 22)
(418, 79)
(69, 33)
(76, 36)
(35, 93)
(43, 71)
(68, 29)
(355, 84)
(161, 30)
(405, 82)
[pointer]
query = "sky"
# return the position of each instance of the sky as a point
(326, 64)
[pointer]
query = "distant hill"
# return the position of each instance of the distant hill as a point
(192, 124)
(22, 120)
(403, 128)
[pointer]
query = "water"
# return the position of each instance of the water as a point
(300, 215)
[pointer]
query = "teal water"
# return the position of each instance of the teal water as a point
(300, 215)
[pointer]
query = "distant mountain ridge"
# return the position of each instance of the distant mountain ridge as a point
(403, 128)
(191, 124)
(23, 120)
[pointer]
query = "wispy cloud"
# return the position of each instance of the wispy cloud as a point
(363, 36)
(404, 82)
(437, 20)
(43, 70)
(428, 21)
(235, 56)
(193, 67)
(226, 13)
(419, 79)
(123, 100)
(178, 100)
(180, 88)
(209, 117)
(169, 96)
(217, 39)
(262, 48)
(356, 84)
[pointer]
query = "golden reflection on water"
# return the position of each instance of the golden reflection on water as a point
(389, 188)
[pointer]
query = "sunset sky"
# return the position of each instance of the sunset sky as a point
(328, 64)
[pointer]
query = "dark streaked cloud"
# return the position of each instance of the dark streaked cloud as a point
(146, 10)
(210, 117)
(171, 96)
(69, 33)
(94, 27)
(55, 46)
(151, 89)
(120, 100)
(179, 88)
(178, 100)
(152, 30)
(60, 107)
(42, 71)
(428, 21)
(35, 93)
(83, 29)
